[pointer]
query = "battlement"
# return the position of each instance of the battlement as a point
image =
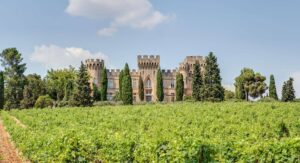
(113, 72)
(169, 72)
(148, 61)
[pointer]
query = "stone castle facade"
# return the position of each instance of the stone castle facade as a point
(147, 70)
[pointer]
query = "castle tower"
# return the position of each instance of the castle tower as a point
(94, 67)
(148, 66)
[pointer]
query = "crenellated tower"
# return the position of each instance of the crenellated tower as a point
(94, 67)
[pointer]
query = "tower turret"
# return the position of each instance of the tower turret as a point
(94, 67)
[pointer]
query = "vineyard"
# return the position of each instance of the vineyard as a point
(181, 132)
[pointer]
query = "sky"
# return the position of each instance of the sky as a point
(262, 35)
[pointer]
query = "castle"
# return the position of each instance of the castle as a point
(147, 70)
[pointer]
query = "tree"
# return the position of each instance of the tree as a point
(288, 91)
(127, 97)
(120, 83)
(249, 84)
(11, 60)
(197, 82)
(57, 81)
(213, 90)
(34, 88)
(159, 86)
(104, 82)
(1, 90)
(141, 89)
(43, 102)
(272, 88)
(96, 93)
(229, 95)
(179, 87)
(83, 96)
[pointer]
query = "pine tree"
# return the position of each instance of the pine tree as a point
(159, 86)
(213, 90)
(27, 101)
(272, 88)
(120, 83)
(197, 82)
(288, 91)
(104, 84)
(83, 96)
(141, 89)
(1, 90)
(127, 97)
(179, 87)
(14, 77)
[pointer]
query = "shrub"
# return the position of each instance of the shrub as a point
(267, 99)
(43, 102)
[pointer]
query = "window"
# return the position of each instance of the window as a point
(134, 84)
(172, 83)
(148, 83)
(110, 84)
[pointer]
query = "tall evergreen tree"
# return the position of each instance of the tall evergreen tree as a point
(288, 91)
(96, 93)
(69, 90)
(159, 86)
(11, 60)
(239, 88)
(104, 82)
(120, 83)
(272, 88)
(197, 82)
(179, 87)
(127, 96)
(213, 90)
(1, 90)
(141, 89)
(83, 96)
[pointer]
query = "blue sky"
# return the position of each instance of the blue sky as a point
(263, 35)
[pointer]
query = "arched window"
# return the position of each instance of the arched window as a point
(148, 83)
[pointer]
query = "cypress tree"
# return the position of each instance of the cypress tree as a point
(120, 83)
(272, 88)
(104, 84)
(288, 91)
(159, 86)
(127, 97)
(141, 89)
(1, 90)
(96, 93)
(69, 88)
(179, 87)
(239, 88)
(213, 90)
(197, 82)
(83, 93)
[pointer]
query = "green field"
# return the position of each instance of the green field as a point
(180, 132)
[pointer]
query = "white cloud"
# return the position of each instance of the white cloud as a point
(296, 77)
(120, 13)
(56, 57)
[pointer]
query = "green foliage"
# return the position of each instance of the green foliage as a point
(272, 88)
(288, 91)
(229, 95)
(127, 97)
(159, 86)
(34, 88)
(15, 80)
(1, 90)
(57, 81)
(44, 102)
(120, 82)
(141, 89)
(212, 89)
(267, 99)
(96, 93)
(181, 132)
(251, 84)
(83, 92)
(197, 82)
(179, 87)
(104, 83)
